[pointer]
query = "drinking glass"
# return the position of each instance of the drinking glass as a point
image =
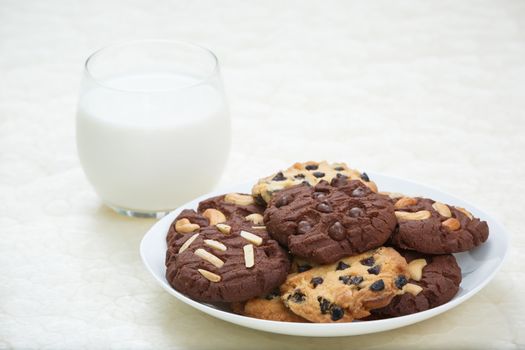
(152, 125)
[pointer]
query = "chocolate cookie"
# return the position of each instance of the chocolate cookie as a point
(329, 221)
(348, 289)
(436, 279)
(223, 255)
(232, 204)
(309, 172)
(435, 228)
(271, 307)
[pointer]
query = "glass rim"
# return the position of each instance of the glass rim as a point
(200, 81)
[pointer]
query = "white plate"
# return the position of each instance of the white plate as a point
(478, 266)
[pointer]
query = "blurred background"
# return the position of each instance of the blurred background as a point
(431, 83)
(431, 91)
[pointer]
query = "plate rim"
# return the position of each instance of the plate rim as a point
(327, 329)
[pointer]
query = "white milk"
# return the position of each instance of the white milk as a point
(152, 151)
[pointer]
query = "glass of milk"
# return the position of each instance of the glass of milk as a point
(153, 129)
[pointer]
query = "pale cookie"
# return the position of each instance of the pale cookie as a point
(271, 307)
(348, 289)
(308, 172)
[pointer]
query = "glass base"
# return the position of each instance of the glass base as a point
(139, 214)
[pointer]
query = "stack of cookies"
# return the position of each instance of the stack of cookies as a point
(319, 243)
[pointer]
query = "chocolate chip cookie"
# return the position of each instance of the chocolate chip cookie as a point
(347, 289)
(435, 280)
(223, 253)
(309, 172)
(433, 227)
(326, 222)
(270, 307)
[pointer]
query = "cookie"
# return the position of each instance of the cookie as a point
(309, 172)
(223, 256)
(232, 205)
(432, 227)
(347, 289)
(326, 222)
(437, 278)
(271, 307)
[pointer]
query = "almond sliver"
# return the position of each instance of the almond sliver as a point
(250, 237)
(188, 242)
(249, 260)
(209, 257)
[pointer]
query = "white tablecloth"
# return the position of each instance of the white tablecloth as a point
(432, 91)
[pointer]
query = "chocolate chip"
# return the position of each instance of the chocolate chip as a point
(303, 268)
(324, 305)
(400, 281)
(341, 266)
(365, 177)
(279, 177)
(339, 168)
(303, 227)
(344, 279)
(370, 261)
(355, 212)
(297, 297)
(316, 281)
(272, 295)
(351, 280)
(260, 200)
(341, 176)
(322, 184)
(324, 207)
(374, 270)
(358, 192)
(337, 231)
(282, 201)
(356, 280)
(311, 167)
(336, 313)
(299, 176)
(316, 195)
(318, 174)
(306, 183)
(338, 181)
(377, 286)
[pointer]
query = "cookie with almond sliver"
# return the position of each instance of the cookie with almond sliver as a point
(434, 280)
(432, 227)
(223, 253)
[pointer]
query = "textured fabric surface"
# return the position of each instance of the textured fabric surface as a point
(432, 91)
